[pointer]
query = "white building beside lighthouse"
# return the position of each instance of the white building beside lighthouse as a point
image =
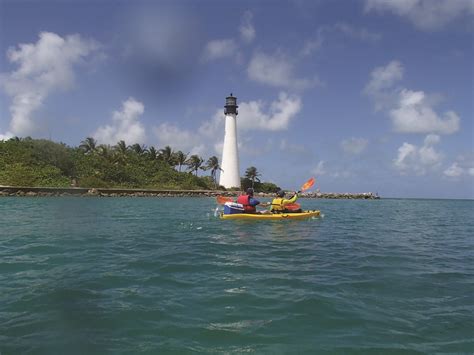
(230, 176)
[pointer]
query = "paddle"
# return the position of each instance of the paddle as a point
(307, 185)
(223, 199)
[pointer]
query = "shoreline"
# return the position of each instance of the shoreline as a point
(21, 191)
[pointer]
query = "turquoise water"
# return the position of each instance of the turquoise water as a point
(163, 275)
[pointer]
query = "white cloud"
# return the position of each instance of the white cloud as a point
(424, 14)
(257, 115)
(406, 152)
(277, 71)
(462, 166)
(382, 81)
(226, 48)
(253, 115)
(385, 77)
(6, 136)
(320, 169)
(418, 159)
(277, 118)
(43, 67)
(415, 114)
(454, 171)
(125, 125)
(219, 48)
(179, 139)
(354, 145)
(247, 31)
(212, 127)
(410, 111)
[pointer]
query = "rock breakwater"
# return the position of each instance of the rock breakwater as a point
(105, 192)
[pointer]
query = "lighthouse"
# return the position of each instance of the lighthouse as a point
(229, 176)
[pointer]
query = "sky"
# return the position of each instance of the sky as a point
(365, 95)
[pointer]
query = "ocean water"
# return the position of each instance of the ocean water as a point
(163, 275)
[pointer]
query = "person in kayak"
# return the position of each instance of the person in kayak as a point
(249, 202)
(279, 203)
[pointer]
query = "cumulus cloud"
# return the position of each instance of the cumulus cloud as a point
(424, 14)
(410, 111)
(415, 114)
(178, 138)
(225, 48)
(454, 171)
(6, 136)
(462, 166)
(381, 85)
(277, 71)
(43, 67)
(253, 115)
(258, 115)
(275, 117)
(125, 125)
(218, 49)
(354, 145)
(246, 29)
(419, 160)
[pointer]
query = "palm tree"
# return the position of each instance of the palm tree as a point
(104, 151)
(152, 153)
(166, 154)
(213, 165)
(89, 145)
(252, 174)
(121, 150)
(194, 163)
(180, 159)
(121, 147)
(139, 149)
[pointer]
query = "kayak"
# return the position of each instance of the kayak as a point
(271, 216)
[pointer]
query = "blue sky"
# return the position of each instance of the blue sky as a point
(369, 95)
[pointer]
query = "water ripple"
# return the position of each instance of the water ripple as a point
(151, 275)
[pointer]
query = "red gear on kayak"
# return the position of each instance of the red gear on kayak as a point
(245, 201)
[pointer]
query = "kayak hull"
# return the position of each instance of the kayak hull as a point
(272, 216)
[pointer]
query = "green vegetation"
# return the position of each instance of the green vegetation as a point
(251, 179)
(43, 163)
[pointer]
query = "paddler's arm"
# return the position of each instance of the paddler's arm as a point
(253, 201)
(291, 200)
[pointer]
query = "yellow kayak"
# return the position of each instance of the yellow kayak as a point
(271, 216)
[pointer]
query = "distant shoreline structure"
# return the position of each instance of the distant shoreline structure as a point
(21, 191)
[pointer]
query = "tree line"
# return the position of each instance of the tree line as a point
(41, 162)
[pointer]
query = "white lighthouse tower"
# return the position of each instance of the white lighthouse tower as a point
(229, 176)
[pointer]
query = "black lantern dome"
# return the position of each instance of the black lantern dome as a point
(231, 105)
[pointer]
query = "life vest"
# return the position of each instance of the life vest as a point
(277, 204)
(245, 201)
